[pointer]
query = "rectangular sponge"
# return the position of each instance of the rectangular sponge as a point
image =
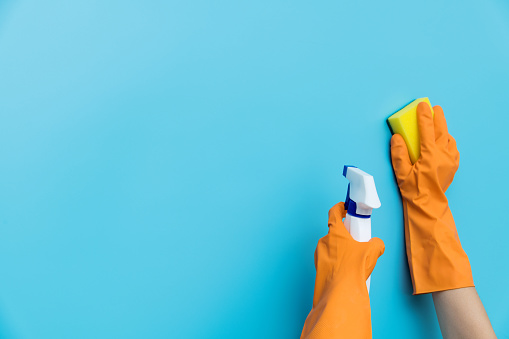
(404, 122)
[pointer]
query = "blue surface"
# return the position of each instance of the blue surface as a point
(167, 166)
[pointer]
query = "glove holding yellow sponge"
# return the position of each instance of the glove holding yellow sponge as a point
(436, 259)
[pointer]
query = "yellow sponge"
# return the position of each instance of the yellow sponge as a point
(404, 122)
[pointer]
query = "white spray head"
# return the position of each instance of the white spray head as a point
(361, 191)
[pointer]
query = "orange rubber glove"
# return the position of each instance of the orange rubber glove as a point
(435, 256)
(341, 301)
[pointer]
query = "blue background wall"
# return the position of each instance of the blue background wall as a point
(166, 167)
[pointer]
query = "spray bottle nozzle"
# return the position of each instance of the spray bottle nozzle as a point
(361, 197)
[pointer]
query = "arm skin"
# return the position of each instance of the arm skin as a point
(461, 314)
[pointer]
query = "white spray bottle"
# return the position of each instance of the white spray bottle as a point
(360, 201)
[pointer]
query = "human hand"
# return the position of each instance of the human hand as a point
(439, 158)
(436, 259)
(341, 300)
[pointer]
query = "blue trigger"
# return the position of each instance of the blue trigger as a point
(347, 199)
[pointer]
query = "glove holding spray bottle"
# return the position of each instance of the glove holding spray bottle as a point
(341, 306)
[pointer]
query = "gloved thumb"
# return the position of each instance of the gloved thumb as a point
(376, 248)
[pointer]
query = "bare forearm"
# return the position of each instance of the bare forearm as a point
(461, 314)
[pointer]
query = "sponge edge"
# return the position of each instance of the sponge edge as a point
(404, 122)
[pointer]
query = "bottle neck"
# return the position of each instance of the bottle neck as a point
(356, 211)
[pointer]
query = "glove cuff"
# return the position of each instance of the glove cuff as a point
(436, 259)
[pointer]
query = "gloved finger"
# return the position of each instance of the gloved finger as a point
(400, 158)
(376, 248)
(457, 159)
(451, 145)
(426, 128)
(441, 133)
(453, 151)
(336, 215)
